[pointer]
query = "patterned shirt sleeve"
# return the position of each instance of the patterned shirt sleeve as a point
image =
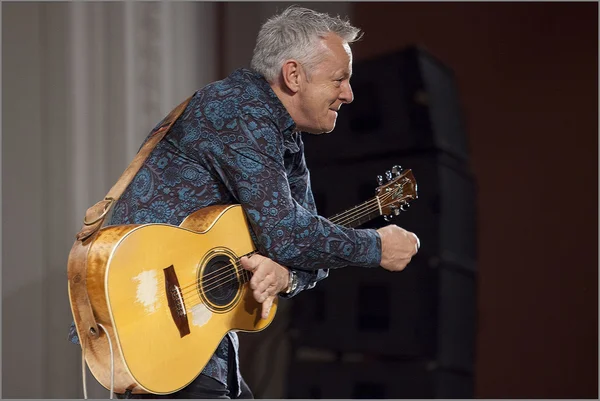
(249, 159)
(299, 180)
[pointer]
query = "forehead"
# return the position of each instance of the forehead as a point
(336, 53)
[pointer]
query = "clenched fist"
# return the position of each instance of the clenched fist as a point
(398, 246)
(269, 278)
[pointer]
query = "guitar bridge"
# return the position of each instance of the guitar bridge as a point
(175, 301)
(178, 299)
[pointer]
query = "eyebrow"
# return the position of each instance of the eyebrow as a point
(344, 74)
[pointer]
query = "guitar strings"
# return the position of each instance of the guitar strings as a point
(349, 215)
(212, 282)
(344, 220)
(225, 273)
(216, 276)
(223, 278)
(346, 217)
(219, 272)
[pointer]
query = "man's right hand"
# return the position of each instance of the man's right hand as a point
(398, 246)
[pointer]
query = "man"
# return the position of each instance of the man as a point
(239, 142)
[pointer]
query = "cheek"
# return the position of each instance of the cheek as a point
(335, 95)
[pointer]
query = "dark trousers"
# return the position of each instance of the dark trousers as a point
(201, 387)
(205, 387)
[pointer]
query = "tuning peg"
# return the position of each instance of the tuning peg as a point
(387, 217)
(397, 211)
(388, 175)
(397, 170)
(380, 180)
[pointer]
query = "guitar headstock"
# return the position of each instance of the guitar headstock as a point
(395, 195)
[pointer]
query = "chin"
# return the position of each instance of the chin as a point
(329, 127)
(323, 128)
(323, 131)
(319, 131)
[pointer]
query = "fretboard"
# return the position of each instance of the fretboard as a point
(358, 215)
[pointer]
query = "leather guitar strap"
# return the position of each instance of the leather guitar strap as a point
(93, 221)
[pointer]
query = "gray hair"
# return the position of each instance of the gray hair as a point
(294, 34)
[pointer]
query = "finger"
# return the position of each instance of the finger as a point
(404, 263)
(259, 274)
(418, 241)
(247, 264)
(268, 290)
(267, 283)
(259, 280)
(266, 306)
(252, 263)
(259, 296)
(272, 289)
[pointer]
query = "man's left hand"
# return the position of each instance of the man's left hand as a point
(269, 278)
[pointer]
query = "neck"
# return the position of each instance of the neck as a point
(288, 100)
(284, 95)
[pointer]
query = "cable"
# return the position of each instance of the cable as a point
(112, 363)
(83, 377)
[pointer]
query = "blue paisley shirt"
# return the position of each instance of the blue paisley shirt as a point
(236, 144)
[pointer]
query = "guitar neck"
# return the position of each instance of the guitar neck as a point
(358, 215)
(350, 218)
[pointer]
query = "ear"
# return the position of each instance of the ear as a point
(291, 75)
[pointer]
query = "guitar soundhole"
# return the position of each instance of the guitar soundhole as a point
(220, 281)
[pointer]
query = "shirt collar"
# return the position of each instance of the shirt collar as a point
(281, 117)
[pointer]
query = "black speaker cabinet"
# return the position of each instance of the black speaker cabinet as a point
(376, 380)
(411, 334)
(443, 216)
(426, 311)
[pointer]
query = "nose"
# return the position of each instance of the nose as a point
(346, 96)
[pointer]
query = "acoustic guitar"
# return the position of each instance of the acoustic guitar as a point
(167, 295)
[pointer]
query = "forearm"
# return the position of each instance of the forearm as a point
(310, 242)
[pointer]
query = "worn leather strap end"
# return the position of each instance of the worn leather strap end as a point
(83, 314)
(94, 218)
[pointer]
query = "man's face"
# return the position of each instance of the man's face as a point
(322, 93)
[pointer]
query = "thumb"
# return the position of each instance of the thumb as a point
(247, 263)
(418, 241)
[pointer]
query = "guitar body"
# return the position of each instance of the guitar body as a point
(164, 296)
(167, 296)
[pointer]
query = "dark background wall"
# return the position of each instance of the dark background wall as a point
(527, 75)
